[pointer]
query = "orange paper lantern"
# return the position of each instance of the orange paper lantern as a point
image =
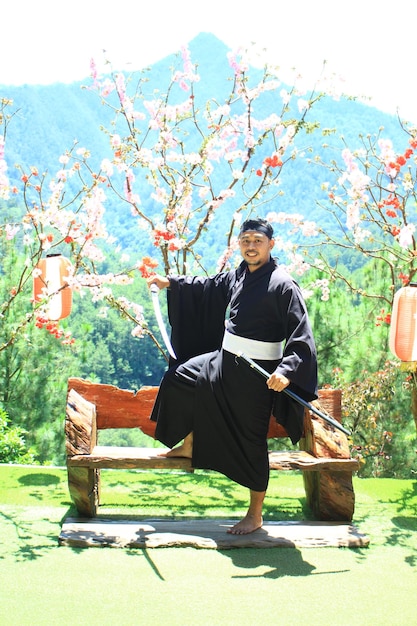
(403, 329)
(51, 282)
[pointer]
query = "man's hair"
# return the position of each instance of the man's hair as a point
(257, 224)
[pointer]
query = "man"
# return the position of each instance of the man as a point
(219, 407)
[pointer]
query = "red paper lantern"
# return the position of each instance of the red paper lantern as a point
(403, 329)
(51, 281)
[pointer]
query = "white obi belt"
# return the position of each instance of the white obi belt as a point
(252, 348)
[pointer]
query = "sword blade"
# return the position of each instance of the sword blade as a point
(156, 307)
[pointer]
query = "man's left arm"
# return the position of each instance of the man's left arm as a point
(277, 381)
(298, 366)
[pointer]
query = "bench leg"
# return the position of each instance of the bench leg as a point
(84, 488)
(330, 495)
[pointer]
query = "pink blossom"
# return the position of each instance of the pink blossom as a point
(309, 229)
(297, 265)
(227, 193)
(121, 87)
(115, 141)
(238, 61)
(352, 215)
(360, 234)
(93, 72)
(64, 159)
(107, 167)
(160, 195)
(405, 238)
(349, 159)
(188, 73)
(285, 96)
(107, 87)
(303, 105)
(11, 231)
(4, 181)
(323, 285)
(227, 255)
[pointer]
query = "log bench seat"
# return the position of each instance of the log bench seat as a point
(323, 458)
(125, 457)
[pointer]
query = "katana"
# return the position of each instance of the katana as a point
(293, 395)
(155, 301)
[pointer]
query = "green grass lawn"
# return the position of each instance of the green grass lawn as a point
(44, 583)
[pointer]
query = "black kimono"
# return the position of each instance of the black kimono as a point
(225, 403)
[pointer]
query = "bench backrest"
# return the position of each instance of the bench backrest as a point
(121, 408)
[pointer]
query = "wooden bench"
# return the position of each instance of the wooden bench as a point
(323, 457)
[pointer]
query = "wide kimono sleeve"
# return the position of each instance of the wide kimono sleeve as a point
(299, 361)
(196, 311)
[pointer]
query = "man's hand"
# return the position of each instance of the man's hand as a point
(162, 282)
(277, 382)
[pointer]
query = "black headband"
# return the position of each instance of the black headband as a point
(258, 226)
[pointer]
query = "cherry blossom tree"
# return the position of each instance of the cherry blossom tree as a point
(372, 199)
(194, 161)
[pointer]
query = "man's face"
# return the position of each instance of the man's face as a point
(255, 248)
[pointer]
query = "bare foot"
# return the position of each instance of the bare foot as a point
(247, 525)
(184, 451)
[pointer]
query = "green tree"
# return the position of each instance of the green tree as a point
(13, 447)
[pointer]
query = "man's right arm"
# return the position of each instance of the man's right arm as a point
(162, 282)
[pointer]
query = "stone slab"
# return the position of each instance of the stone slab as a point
(206, 533)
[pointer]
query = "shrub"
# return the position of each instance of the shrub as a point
(377, 409)
(12, 443)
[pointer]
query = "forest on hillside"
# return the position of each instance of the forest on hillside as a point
(351, 329)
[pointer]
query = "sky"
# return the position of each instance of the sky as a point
(367, 42)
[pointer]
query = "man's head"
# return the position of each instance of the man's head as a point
(256, 242)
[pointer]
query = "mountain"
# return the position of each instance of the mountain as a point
(51, 118)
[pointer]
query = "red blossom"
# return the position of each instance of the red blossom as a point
(392, 201)
(259, 172)
(394, 166)
(53, 329)
(405, 279)
(273, 161)
(150, 262)
(161, 236)
(147, 266)
(383, 317)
